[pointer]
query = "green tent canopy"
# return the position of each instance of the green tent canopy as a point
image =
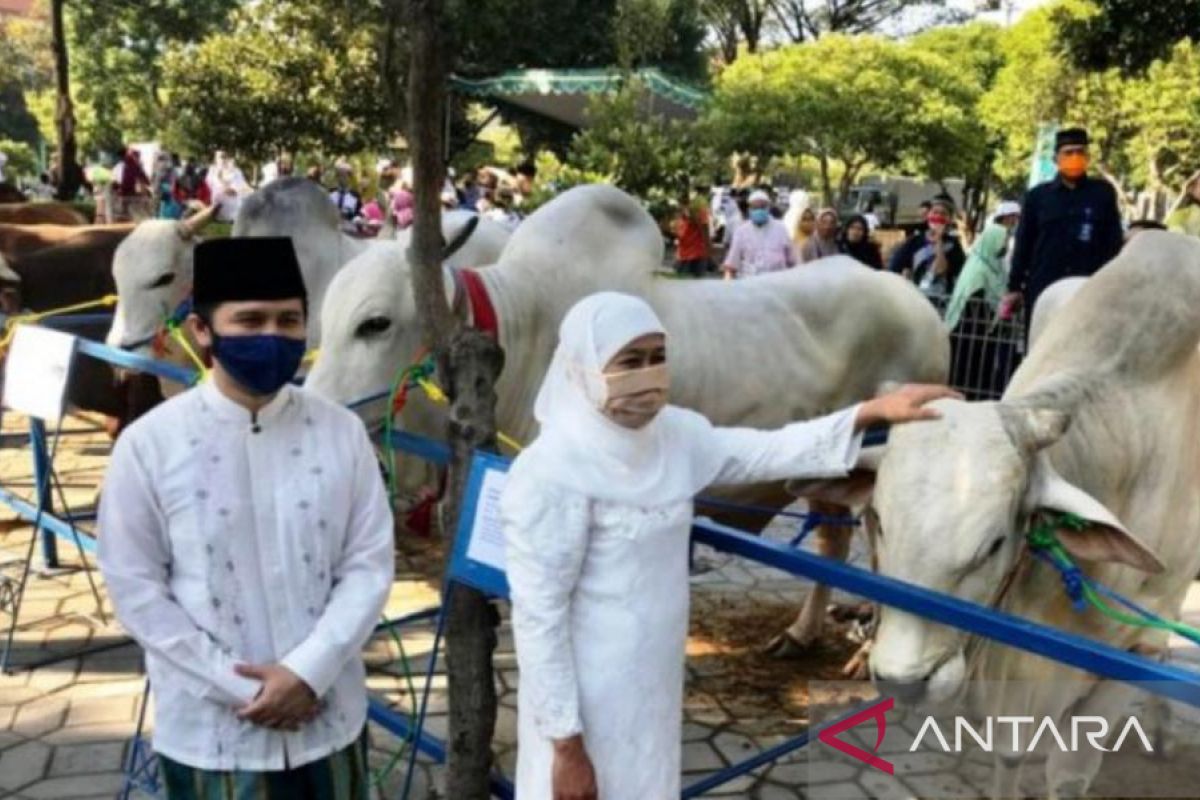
(563, 94)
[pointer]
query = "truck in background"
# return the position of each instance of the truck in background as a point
(896, 201)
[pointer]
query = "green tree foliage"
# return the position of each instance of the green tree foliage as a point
(647, 156)
(22, 161)
(849, 103)
(1164, 149)
(277, 81)
(1129, 35)
(26, 67)
(118, 60)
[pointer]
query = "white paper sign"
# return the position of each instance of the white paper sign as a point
(487, 534)
(36, 372)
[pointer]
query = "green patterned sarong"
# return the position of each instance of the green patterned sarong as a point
(341, 776)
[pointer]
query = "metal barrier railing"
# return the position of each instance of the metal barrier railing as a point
(985, 350)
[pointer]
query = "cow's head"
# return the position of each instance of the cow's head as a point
(152, 268)
(369, 327)
(952, 501)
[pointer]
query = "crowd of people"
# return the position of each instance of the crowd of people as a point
(134, 188)
(757, 241)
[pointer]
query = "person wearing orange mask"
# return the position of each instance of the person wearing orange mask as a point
(1070, 226)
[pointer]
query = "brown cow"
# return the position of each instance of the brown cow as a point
(41, 214)
(78, 269)
(27, 238)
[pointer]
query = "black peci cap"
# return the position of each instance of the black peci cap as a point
(1070, 137)
(249, 268)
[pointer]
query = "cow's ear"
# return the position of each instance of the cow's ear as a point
(1103, 538)
(852, 491)
(1034, 428)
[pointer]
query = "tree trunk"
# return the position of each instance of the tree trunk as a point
(70, 175)
(849, 176)
(826, 182)
(470, 363)
(474, 364)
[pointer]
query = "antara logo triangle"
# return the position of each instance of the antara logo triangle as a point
(876, 712)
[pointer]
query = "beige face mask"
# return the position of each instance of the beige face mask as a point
(636, 381)
(634, 397)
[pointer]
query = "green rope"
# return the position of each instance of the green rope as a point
(380, 775)
(1043, 539)
(405, 380)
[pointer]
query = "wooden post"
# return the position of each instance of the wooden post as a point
(70, 174)
(469, 364)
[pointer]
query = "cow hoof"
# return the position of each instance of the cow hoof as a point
(785, 647)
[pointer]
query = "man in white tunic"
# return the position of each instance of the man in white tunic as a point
(760, 245)
(597, 514)
(246, 540)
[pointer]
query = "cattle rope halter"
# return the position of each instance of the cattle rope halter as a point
(1044, 544)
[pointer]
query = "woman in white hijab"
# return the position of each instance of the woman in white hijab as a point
(597, 514)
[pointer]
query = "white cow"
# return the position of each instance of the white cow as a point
(1049, 303)
(760, 352)
(153, 266)
(1101, 421)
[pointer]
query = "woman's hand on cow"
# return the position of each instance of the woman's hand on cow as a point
(909, 403)
(573, 777)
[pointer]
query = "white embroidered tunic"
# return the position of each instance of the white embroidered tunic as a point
(600, 601)
(221, 545)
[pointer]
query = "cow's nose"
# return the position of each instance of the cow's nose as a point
(906, 691)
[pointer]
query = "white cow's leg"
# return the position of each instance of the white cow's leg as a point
(832, 542)
(1068, 775)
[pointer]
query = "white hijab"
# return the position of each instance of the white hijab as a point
(580, 448)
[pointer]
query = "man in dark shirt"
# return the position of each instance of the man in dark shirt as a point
(1070, 226)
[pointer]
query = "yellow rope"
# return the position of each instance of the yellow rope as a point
(435, 393)
(10, 326)
(182, 341)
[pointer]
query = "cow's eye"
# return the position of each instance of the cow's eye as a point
(372, 326)
(995, 548)
(163, 280)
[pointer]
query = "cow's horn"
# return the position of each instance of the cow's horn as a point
(195, 223)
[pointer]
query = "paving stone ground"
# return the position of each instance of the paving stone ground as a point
(65, 727)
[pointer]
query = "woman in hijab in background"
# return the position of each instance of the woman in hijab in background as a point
(823, 243)
(596, 517)
(855, 241)
(978, 357)
(805, 225)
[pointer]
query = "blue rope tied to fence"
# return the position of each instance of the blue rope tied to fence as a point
(1083, 591)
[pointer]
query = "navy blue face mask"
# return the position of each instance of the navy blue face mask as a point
(261, 364)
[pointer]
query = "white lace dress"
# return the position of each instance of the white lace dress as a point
(600, 610)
